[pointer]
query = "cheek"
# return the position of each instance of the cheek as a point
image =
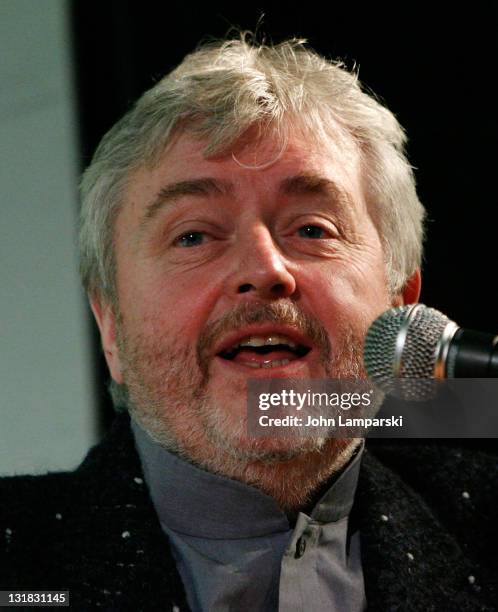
(364, 271)
(349, 293)
(177, 306)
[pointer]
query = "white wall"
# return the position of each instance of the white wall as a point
(46, 407)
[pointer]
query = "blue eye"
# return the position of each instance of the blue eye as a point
(190, 239)
(311, 231)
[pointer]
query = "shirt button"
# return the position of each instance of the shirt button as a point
(300, 547)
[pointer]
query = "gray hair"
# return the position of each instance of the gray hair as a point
(217, 93)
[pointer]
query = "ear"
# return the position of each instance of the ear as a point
(106, 320)
(411, 290)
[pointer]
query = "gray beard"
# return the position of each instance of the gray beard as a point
(166, 386)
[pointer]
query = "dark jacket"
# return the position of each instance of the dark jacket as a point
(94, 531)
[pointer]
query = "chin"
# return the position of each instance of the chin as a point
(288, 473)
(249, 449)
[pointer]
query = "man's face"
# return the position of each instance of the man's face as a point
(217, 257)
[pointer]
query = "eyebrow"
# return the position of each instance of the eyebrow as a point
(169, 194)
(314, 184)
(301, 184)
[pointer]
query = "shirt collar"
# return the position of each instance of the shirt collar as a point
(195, 502)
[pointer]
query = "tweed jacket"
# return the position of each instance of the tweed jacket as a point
(427, 515)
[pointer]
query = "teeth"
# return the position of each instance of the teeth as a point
(275, 363)
(267, 364)
(267, 341)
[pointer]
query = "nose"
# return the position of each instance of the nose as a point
(262, 270)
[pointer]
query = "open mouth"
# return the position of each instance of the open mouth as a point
(265, 351)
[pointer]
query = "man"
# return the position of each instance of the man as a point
(248, 219)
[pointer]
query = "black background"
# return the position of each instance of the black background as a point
(434, 68)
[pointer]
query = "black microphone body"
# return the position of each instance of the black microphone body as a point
(472, 354)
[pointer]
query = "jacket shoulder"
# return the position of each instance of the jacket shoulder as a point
(93, 532)
(458, 481)
(427, 516)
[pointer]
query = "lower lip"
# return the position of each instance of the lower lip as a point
(297, 367)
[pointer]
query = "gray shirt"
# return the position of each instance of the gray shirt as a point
(235, 549)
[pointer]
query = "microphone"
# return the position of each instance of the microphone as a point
(418, 342)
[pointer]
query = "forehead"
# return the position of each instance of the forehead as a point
(259, 166)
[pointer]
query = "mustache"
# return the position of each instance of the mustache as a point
(283, 311)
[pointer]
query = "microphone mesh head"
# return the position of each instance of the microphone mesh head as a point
(419, 349)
